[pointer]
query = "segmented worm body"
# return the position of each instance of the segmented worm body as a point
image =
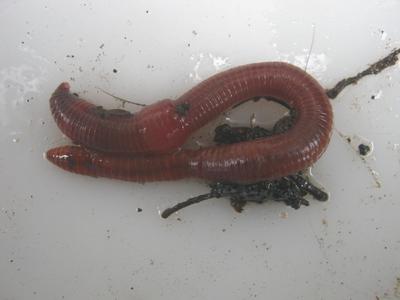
(146, 146)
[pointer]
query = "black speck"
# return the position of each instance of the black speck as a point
(11, 260)
(147, 11)
(182, 109)
(364, 149)
(348, 140)
(100, 111)
(22, 42)
(115, 70)
(131, 288)
(101, 46)
(188, 44)
(75, 94)
(139, 209)
(373, 97)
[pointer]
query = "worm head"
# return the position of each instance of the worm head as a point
(71, 158)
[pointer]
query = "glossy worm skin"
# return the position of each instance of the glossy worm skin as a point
(164, 126)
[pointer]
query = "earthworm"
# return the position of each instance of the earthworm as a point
(148, 142)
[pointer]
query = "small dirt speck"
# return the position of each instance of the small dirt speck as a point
(139, 209)
(115, 70)
(364, 149)
(101, 46)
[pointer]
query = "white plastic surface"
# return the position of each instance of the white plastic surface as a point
(65, 236)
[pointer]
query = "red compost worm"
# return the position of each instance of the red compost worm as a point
(148, 142)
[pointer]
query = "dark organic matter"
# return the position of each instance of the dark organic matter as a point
(375, 68)
(290, 190)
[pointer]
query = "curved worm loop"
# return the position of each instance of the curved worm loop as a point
(164, 126)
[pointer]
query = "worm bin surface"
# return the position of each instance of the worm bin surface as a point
(68, 236)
